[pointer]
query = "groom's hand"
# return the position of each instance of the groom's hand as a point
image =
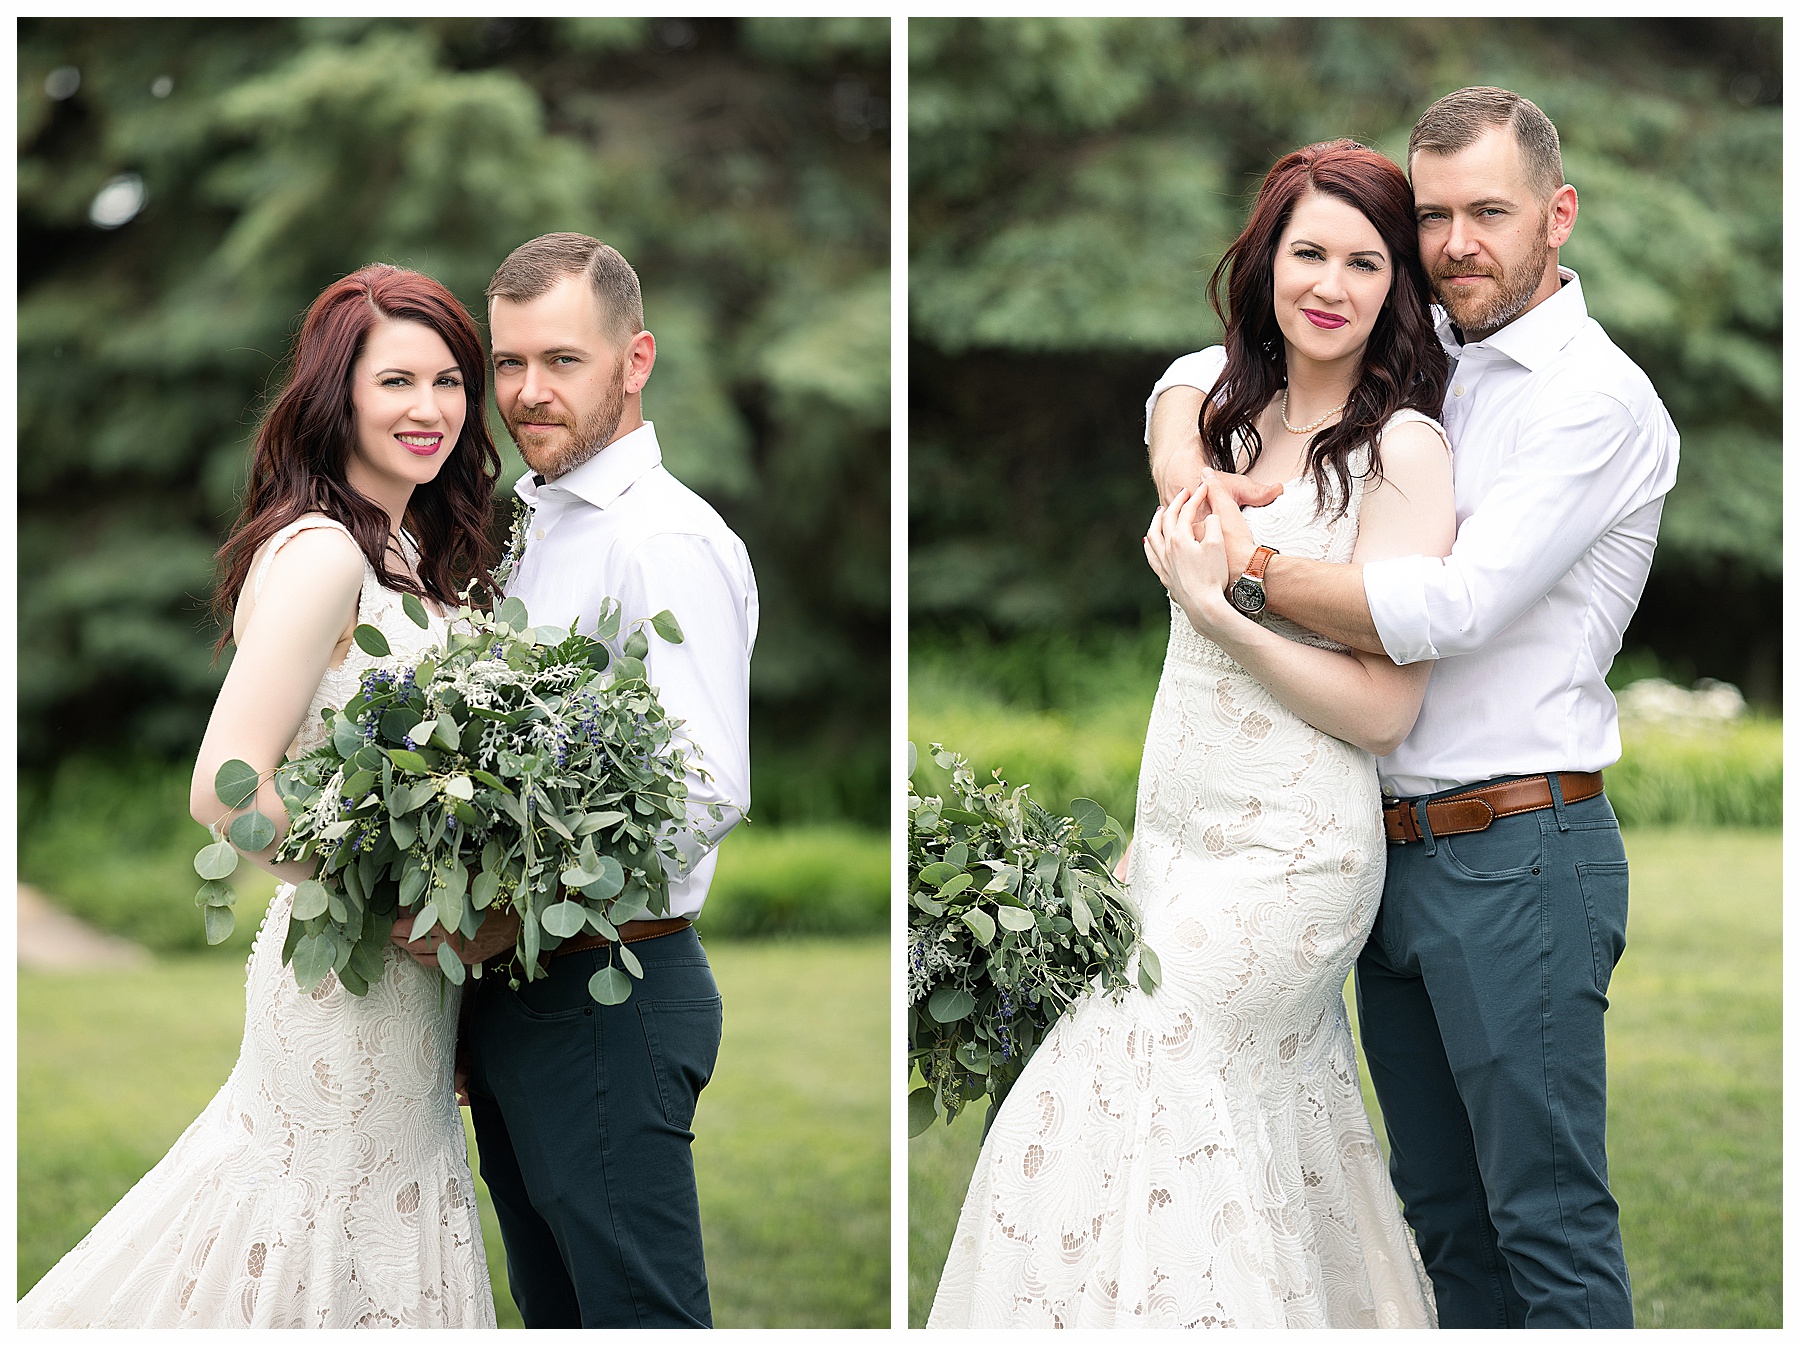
(499, 931)
(1224, 500)
(1178, 459)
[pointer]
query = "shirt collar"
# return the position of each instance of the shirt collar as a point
(1535, 335)
(603, 478)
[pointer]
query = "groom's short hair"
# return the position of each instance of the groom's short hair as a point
(533, 268)
(1457, 120)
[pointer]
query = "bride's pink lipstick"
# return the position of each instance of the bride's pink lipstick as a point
(422, 450)
(1329, 321)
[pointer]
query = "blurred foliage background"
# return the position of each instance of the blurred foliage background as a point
(1075, 181)
(187, 186)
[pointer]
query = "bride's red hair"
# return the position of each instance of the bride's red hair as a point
(1403, 365)
(304, 442)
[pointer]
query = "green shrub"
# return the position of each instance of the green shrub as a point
(1069, 716)
(113, 843)
(1728, 776)
(799, 880)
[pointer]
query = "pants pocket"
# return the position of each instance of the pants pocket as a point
(1604, 885)
(683, 1038)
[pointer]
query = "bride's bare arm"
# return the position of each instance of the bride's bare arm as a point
(286, 639)
(1360, 697)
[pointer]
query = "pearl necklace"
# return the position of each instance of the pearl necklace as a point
(1293, 429)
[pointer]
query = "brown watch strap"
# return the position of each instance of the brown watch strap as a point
(1259, 561)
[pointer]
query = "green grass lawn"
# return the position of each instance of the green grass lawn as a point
(792, 1134)
(1694, 1049)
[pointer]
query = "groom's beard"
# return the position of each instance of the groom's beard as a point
(563, 450)
(1485, 312)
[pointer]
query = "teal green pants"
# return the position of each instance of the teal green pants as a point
(582, 1112)
(1481, 996)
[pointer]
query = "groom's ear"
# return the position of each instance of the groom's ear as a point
(640, 359)
(1563, 208)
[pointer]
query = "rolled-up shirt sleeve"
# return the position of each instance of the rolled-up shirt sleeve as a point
(705, 680)
(1201, 370)
(1579, 470)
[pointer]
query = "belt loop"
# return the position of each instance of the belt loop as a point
(1556, 799)
(1425, 827)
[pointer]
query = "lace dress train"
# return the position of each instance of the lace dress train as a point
(327, 1184)
(1201, 1157)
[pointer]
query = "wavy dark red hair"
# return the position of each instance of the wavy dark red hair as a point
(304, 442)
(1403, 365)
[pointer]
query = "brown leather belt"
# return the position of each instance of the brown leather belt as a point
(1473, 810)
(632, 932)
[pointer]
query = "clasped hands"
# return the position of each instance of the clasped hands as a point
(1198, 543)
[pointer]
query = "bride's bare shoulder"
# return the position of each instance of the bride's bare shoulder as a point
(320, 558)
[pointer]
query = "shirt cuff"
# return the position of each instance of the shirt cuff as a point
(1396, 592)
(1199, 370)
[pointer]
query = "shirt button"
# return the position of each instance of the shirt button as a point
(540, 532)
(1458, 391)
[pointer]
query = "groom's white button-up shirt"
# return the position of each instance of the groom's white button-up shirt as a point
(1562, 455)
(620, 526)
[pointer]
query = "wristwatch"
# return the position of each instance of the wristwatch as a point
(1246, 593)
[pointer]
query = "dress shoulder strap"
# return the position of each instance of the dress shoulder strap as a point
(1405, 414)
(292, 530)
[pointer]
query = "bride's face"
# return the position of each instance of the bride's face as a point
(407, 392)
(1332, 277)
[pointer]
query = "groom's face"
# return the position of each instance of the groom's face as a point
(559, 379)
(1484, 232)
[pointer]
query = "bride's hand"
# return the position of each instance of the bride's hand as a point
(1189, 557)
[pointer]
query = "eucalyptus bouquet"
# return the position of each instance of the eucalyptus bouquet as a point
(1012, 912)
(517, 767)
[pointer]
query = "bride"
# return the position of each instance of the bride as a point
(1201, 1156)
(327, 1184)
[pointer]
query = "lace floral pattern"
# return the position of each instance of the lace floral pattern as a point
(327, 1183)
(1201, 1157)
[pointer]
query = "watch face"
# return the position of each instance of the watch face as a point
(1247, 596)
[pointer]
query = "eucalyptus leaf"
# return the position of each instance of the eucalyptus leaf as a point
(370, 641)
(219, 924)
(252, 831)
(667, 627)
(610, 986)
(1016, 918)
(630, 960)
(452, 965)
(921, 1110)
(513, 613)
(949, 1004)
(980, 923)
(423, 923)
(216, 861)
(564, 919)
(235, 783)
(215, 893)
(637, 645)
(311, 898)
(408, 760)
(345, 737)
(415, 610)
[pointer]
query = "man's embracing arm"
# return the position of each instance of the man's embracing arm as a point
(1172, 432)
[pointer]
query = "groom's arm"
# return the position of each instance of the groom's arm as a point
(1172, 433)
(705, 680)
(1580, 470)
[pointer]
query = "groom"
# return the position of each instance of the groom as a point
(1483, 985)
(582, 1111)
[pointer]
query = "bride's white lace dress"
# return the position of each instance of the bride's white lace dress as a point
(327, 1183)
(1201, 1157)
